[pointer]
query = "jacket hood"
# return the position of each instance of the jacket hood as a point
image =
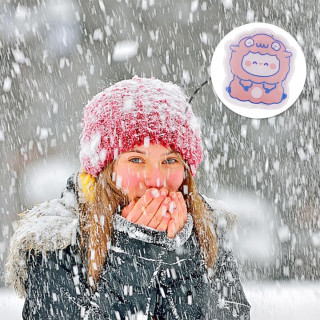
(53, 225)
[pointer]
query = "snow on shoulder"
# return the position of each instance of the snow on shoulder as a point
(46, 227)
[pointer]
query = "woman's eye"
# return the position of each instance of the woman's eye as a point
(170, 160)
(136, 160)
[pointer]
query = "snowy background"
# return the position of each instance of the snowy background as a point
(55, 55)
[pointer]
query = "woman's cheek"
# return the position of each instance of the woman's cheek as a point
(175, 179)
(131, 180)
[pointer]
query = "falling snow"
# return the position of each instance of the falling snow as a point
(56, 55)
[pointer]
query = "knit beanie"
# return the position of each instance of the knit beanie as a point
(137, 112)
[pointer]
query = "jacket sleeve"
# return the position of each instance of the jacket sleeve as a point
(55, 288)
(232, 302)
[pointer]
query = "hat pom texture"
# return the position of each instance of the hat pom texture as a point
(134, 111)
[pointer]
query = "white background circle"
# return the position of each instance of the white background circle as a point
(221, 74)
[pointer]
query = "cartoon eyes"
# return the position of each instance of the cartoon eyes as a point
(255, 62)
(249, 42)
(275, 46)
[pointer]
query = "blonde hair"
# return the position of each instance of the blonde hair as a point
(96, 225)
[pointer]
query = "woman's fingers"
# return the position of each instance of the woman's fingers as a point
(147, 206)
(183, 208)
(175, 210)
(140, 206)
(151, 211)
(161, 216)
(126, 210)
(163, 226)
(179, 214)
(172, 230)
(159, 212)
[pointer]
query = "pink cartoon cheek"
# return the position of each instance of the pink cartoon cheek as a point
(272, 66)
(248, 63)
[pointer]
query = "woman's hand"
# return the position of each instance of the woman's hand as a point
(158, 211)
(150, 210)
(178, 210)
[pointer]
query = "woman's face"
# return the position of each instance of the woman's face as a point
(143, 168)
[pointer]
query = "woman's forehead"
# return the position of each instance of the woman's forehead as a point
(152, 147)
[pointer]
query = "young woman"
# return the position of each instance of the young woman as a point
(131, 237)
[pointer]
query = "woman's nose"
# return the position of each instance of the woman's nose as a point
(154, 177)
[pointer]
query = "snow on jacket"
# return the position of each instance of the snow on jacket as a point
(146, 274)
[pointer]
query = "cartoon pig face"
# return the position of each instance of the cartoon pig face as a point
(262, 65)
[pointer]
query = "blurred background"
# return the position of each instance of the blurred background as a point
(56, 55)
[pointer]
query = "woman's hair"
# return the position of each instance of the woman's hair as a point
(96, 225)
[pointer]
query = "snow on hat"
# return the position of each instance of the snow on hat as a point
(135, 112)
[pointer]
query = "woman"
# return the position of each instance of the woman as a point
(131, 237)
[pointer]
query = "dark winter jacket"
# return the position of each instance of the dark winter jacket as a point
(146, 274)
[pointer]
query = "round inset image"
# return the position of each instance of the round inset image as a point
(258, 70)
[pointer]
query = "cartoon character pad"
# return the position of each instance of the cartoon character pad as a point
(260, 65)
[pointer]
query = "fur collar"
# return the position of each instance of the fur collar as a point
(53, 225)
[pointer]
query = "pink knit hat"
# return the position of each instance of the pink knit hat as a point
(134, 112)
